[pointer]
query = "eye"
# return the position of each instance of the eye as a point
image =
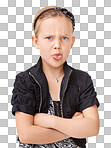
(65, 38)
(48, 38)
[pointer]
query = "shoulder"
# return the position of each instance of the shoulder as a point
(23, 94)
(24, 77)
(80, 77)
(23, 74)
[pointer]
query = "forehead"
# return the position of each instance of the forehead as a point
(59, 24)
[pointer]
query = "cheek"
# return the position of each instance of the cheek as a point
(66, 44)
(46, 45)
(66, 52)
(66, 47)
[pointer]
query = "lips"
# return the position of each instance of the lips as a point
(57, 56)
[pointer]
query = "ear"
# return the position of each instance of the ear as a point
(35, 42)
(73, 40)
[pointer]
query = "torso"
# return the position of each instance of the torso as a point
(54, 88)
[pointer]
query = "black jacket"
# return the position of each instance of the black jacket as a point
(31, 93)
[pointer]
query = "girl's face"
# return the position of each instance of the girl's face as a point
(55, 36)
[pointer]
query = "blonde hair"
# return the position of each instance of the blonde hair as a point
(47, 14)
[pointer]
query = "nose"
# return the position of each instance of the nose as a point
(57, 44)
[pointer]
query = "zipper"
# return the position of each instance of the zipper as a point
(40, 90)
(65, 90)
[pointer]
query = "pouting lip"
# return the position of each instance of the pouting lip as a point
(57, 54)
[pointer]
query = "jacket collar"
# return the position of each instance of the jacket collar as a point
(37, 71)
(39, 75)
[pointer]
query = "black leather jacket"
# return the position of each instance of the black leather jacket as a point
(31, 93)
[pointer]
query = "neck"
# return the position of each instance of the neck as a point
(52, 71)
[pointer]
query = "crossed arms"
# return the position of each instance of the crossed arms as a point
(43, 128)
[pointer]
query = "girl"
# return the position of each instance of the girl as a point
(54, 104)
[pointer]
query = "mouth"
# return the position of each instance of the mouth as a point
(57, 56)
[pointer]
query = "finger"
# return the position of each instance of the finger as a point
(79, 116)
(77, 113)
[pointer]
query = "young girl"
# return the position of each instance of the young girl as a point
(54, 104)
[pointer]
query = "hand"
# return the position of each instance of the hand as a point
(44, 120)
(78, 115)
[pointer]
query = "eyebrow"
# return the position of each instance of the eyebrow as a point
(53, 35)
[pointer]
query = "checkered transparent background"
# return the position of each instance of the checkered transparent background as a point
(91, 52)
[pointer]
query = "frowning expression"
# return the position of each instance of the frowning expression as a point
(55, 36)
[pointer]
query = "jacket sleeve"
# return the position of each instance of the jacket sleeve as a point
(23, 98)
(88, 96)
